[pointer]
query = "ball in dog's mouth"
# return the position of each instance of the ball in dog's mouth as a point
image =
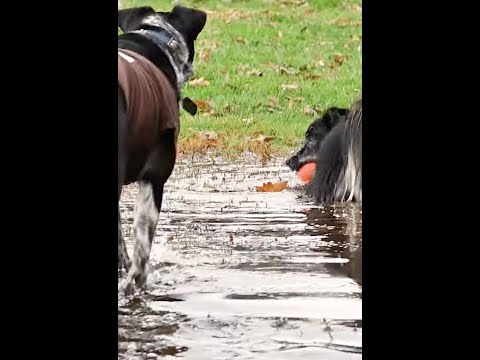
(305, 173)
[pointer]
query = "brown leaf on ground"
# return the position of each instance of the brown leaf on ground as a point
(293, 101)
(273, 104)
(208, 138)
(230, 15)
(254, 72)
(310, 76)
(309, 111)
(289, 86)
(272, 187)
(204, 54)
(337, 60)
(342, 22)
(263, 138)
(228, 108)
(293, 2)
(282, 70)
(208, 135)
(199, 82)
(204, 106)
(240, 40)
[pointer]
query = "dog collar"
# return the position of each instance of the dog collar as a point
(167, 43)
(161, 37)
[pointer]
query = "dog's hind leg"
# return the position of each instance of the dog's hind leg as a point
(148, 205)
(123, 259)
(122, 255)
(145, 222)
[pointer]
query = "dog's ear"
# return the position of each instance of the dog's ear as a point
(130, 19)
(192, 21)
(333, 116)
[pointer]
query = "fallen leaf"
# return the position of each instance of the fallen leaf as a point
(312, 76)
(263, 138)
(289, 86)
(228, 108)
(240, 40)
(254, 72)
(208, 135)
(204, 106)
(199, 82)
(293, 2)
(357, 7)
(342, 22)
(307, 110)
(248, 120)
(286, 71)
(293, 101)
(274, 102)
(338, 60)
(272, 187)
(204, 54)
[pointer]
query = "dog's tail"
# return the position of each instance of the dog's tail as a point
(353, 168)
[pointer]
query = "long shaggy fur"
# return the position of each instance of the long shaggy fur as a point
(338, 175)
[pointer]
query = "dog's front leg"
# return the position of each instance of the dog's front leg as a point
(145, 222)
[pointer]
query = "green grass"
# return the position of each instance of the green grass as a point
(315, 45)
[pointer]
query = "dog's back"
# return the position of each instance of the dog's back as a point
(151, 106)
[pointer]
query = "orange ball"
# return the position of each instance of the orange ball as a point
(305, 173)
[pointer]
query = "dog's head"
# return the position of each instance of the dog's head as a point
(181, 24)
(314, 136)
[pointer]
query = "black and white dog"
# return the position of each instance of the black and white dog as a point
(334, 143)
(156, 52)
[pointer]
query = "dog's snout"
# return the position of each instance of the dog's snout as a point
(292, 162)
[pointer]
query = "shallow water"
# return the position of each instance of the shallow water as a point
(239, 274)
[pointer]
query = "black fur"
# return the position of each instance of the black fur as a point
(314, 136)
(334, 143)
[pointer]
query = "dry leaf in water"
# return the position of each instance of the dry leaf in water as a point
(199, 82)
(289, 86)
(272, 187)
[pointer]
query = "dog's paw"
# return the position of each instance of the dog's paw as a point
(136, 280)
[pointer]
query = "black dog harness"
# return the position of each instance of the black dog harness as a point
(165, 41)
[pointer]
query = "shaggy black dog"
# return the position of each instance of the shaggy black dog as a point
(334, 143)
